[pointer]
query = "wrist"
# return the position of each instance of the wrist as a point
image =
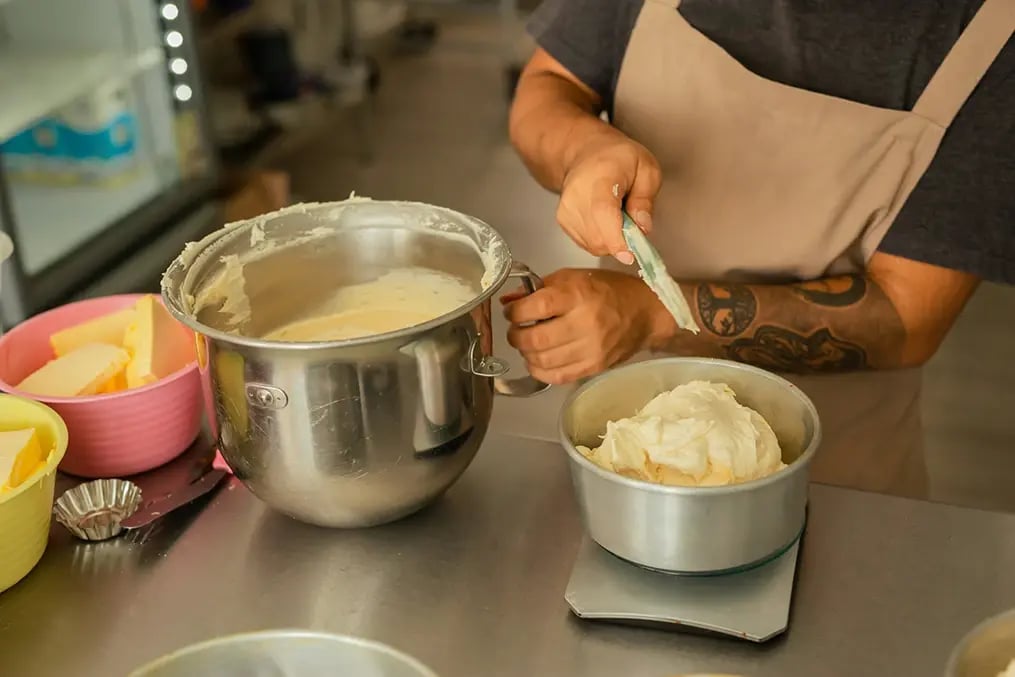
(663, 334)
(586, 133)
(662, 327)
(658, 326)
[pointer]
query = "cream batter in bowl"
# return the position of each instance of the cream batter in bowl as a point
(399, 299)
(687, 527)
(346, 351)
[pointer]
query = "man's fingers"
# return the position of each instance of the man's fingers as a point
(512, 296)
(641, 212)
(541, 338)
(559, 357)
(605, 214)
(561, 376)
(643, 191)
(538, 306)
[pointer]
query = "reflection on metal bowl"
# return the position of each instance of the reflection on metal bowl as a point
(355, 432)
(691, 530)
(987, 650)
(279, 653)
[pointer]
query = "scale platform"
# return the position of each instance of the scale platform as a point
(752, 605)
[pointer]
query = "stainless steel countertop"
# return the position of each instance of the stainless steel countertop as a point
(474, 585)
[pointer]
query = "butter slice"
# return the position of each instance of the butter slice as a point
(105, 329)
(115, 384)
(83, 371)
(157, 344)
(20, 456)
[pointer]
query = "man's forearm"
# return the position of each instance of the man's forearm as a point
(833, 324)
(550, 119)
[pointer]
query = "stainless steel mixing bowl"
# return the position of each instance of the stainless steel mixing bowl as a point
(691, 530)
(285, 653)
(987, 650)
(344, 433)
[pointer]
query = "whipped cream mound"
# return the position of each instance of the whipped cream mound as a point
(694, 435)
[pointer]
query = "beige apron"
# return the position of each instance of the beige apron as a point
(766, 182)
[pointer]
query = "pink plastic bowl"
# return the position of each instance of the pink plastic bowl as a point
(110, 435)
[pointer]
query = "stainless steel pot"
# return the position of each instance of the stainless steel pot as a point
(987, 650)
(344, 433)
(285, 653)
(691, 530)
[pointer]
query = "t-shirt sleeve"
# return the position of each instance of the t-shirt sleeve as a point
(961, 215)
(588, 37)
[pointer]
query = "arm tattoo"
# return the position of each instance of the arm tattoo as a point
(726, 309)
(837, 292)
(782, 349)
(835, 324)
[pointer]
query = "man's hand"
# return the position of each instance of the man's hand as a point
(556, 129)
(608, 170)
(589, 320)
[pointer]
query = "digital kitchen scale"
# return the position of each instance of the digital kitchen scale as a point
(752, 605)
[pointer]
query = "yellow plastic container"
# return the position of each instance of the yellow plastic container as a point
(25, 511)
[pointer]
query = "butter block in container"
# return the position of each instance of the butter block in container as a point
(103, 329)
(115, 430)
(84, 371)
(156, 343)
(20, 454)
(33, 440)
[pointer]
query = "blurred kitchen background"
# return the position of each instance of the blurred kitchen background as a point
(130, 127)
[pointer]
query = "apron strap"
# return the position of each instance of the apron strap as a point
(967, 62)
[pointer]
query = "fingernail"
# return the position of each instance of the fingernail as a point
(644, 220)
(627, 258)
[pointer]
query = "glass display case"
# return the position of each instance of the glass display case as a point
(104, 151)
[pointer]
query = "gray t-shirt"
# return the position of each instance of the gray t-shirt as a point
(882, 53)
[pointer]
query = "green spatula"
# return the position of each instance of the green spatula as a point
(653, 271)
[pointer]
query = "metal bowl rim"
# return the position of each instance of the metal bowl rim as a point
(798, 465)
(250, 342)
(292, 633)
(963, 646)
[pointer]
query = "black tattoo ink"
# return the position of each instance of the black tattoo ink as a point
(726, 309)
(781, 349)
(837, 292)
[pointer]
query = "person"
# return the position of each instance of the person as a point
(828, 182)
(778, 162)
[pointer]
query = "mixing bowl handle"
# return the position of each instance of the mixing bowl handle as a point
(490, 366)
